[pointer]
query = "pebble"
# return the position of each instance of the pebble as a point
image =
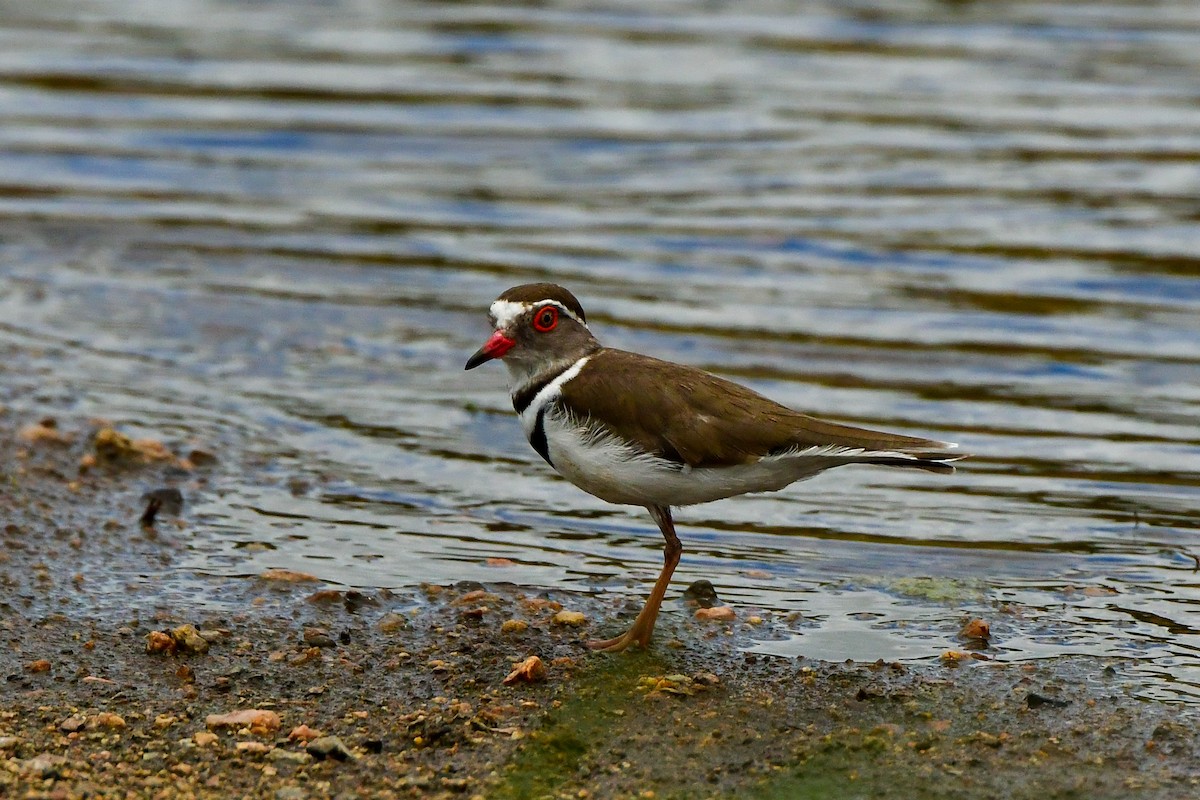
(1035, 700)
(288, 576)
(318, 637)
(329, 747)
(72, 723)
(976, 629)
(105, 719)
(701, 593)
(574, 618)
(43, 765)
(528, 671)
(293, 756)
(213, 635)
(9, 742)
(257, 720)
(159, 642)
(44, 431)
(514, 626)
(392, 622)
(716, 613)
(303, 733)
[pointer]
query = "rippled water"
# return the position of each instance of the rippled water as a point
(277, 225)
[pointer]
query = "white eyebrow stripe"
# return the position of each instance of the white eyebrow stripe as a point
(505, 312)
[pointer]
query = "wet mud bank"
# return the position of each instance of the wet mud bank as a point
(118, 679)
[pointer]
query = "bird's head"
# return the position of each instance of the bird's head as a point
(536, 326)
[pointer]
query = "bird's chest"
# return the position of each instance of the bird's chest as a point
(598, 463)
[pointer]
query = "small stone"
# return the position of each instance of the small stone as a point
(200, 457)
(701, 593)
(254, 748)
(290, 793)
(716, 614)
(329, 747)
(72, 723)
(288, 576)
(318, 637)
(514, 626)
(537, 604)
(43, 765)
(159, 642)
(292, 756)
(390, 623)
(113, 446)
(259, 721)
(326, 596)
(1035, 700)
(303, 733)
(106, 719)
(573, 618)
(44, 431)
(204, 738)
(9, 743)
(977, 630)
(188, 639)
(528, 671)
(41, 665)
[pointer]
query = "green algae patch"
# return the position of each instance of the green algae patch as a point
(938, 590)
(560, 753)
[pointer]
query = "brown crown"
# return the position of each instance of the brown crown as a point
(534, 292)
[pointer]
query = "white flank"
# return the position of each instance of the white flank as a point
(604, 466)
(505, 312)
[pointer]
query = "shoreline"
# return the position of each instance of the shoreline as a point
(412, 684)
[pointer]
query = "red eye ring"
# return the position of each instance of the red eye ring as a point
(545, 319)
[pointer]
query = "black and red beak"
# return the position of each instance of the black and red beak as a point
(494, 347)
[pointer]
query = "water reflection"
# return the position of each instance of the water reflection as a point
(276, 226)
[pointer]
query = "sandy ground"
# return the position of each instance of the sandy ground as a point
(107, 691)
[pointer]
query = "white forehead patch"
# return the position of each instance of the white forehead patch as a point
(505, 312)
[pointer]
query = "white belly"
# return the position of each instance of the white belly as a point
(604, 466)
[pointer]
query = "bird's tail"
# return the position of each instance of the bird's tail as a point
(883, 449)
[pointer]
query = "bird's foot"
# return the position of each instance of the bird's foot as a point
(630, 638)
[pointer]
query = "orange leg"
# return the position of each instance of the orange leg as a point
(643, 626)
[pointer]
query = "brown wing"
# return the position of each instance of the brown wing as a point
(687, 415)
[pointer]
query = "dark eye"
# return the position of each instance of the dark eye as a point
(545, 319)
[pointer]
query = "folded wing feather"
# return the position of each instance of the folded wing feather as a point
(686, 415)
